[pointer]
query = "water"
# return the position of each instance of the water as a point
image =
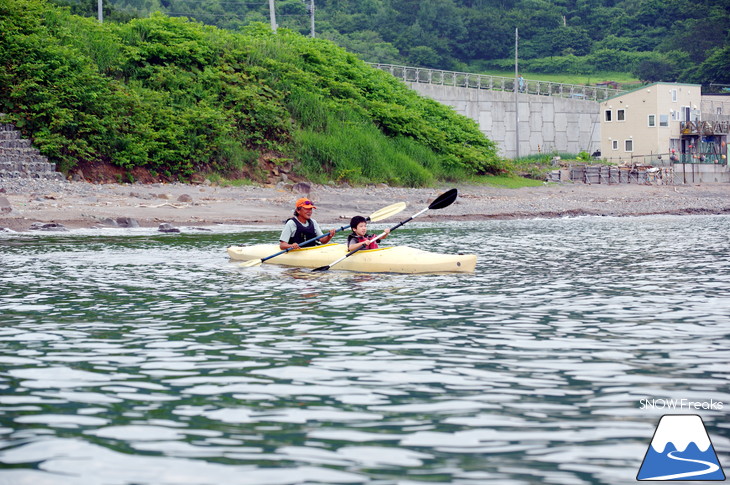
(142, 358)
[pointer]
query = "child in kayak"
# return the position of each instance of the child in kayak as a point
(359, 236)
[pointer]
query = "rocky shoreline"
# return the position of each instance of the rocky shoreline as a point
(31, 204)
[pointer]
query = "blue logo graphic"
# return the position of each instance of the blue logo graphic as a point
(681, 450)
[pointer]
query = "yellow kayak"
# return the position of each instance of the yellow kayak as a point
(389, 259)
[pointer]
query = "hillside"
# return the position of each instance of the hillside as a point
(672, 40)
(171, 98)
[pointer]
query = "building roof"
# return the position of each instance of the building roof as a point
(649, 85)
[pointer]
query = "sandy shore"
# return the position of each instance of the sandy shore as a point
(86, 205)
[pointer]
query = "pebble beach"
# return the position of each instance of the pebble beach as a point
(29, 204)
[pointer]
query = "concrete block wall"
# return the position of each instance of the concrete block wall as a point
(546, 123)
(18, 158)
(697, 173)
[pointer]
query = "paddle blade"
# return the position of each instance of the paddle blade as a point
(322, 268)
(250, 263)
(387, 212)
(444, 200)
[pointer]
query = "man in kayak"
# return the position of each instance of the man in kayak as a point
(359, 236)
(302, 227)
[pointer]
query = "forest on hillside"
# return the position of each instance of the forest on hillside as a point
(655, 40)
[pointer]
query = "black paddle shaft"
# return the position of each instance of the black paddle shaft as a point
(443, 200)
(307, 242)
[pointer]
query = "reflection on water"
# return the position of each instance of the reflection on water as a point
(143, 358)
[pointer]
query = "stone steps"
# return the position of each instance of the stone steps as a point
(18, 158)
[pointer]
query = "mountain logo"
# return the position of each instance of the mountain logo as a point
(681, 450)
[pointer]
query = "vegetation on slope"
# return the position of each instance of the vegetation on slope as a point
(178, 98)
(655, 40)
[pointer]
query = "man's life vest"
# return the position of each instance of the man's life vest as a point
(303, 233)
(358, 239)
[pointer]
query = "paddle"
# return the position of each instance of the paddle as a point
(443, 200)
(376, 216)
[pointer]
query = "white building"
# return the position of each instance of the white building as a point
(642, 125)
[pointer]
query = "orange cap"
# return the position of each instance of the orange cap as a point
(306, 203)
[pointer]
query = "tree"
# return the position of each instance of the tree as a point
(715, 69)
(656, 67)
(424, 56)
(487, 36)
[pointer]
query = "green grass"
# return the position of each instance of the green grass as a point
(505, 181)
(180, 98)
(218, 179)
(580, 79)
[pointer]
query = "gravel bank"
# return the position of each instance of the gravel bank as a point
(24, 202)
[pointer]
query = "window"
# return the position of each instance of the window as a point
(614, 145)
(608, 115)
(629, 146)
(663, 120)
(652, 121)
(675, 115)
(674, 95)
(621, 115)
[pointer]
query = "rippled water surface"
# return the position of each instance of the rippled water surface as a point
(142, 358)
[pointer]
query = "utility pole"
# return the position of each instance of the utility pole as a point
(517, 104)
(311, 17)
(272, 15)
(100, 11)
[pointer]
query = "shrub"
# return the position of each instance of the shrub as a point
(178, 97)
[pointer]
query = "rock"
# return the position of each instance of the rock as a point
(184, 198)
(50, 226)
(108, 221)
(164, 196)
(127, 222)
(5, 206)
(167, 227)
(301, 188)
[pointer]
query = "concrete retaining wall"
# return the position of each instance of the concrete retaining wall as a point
(546, 123)
(675, 174)
(697, 173)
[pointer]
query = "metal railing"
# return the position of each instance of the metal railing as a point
(669, 158)
(705, 128)
(496, 83)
